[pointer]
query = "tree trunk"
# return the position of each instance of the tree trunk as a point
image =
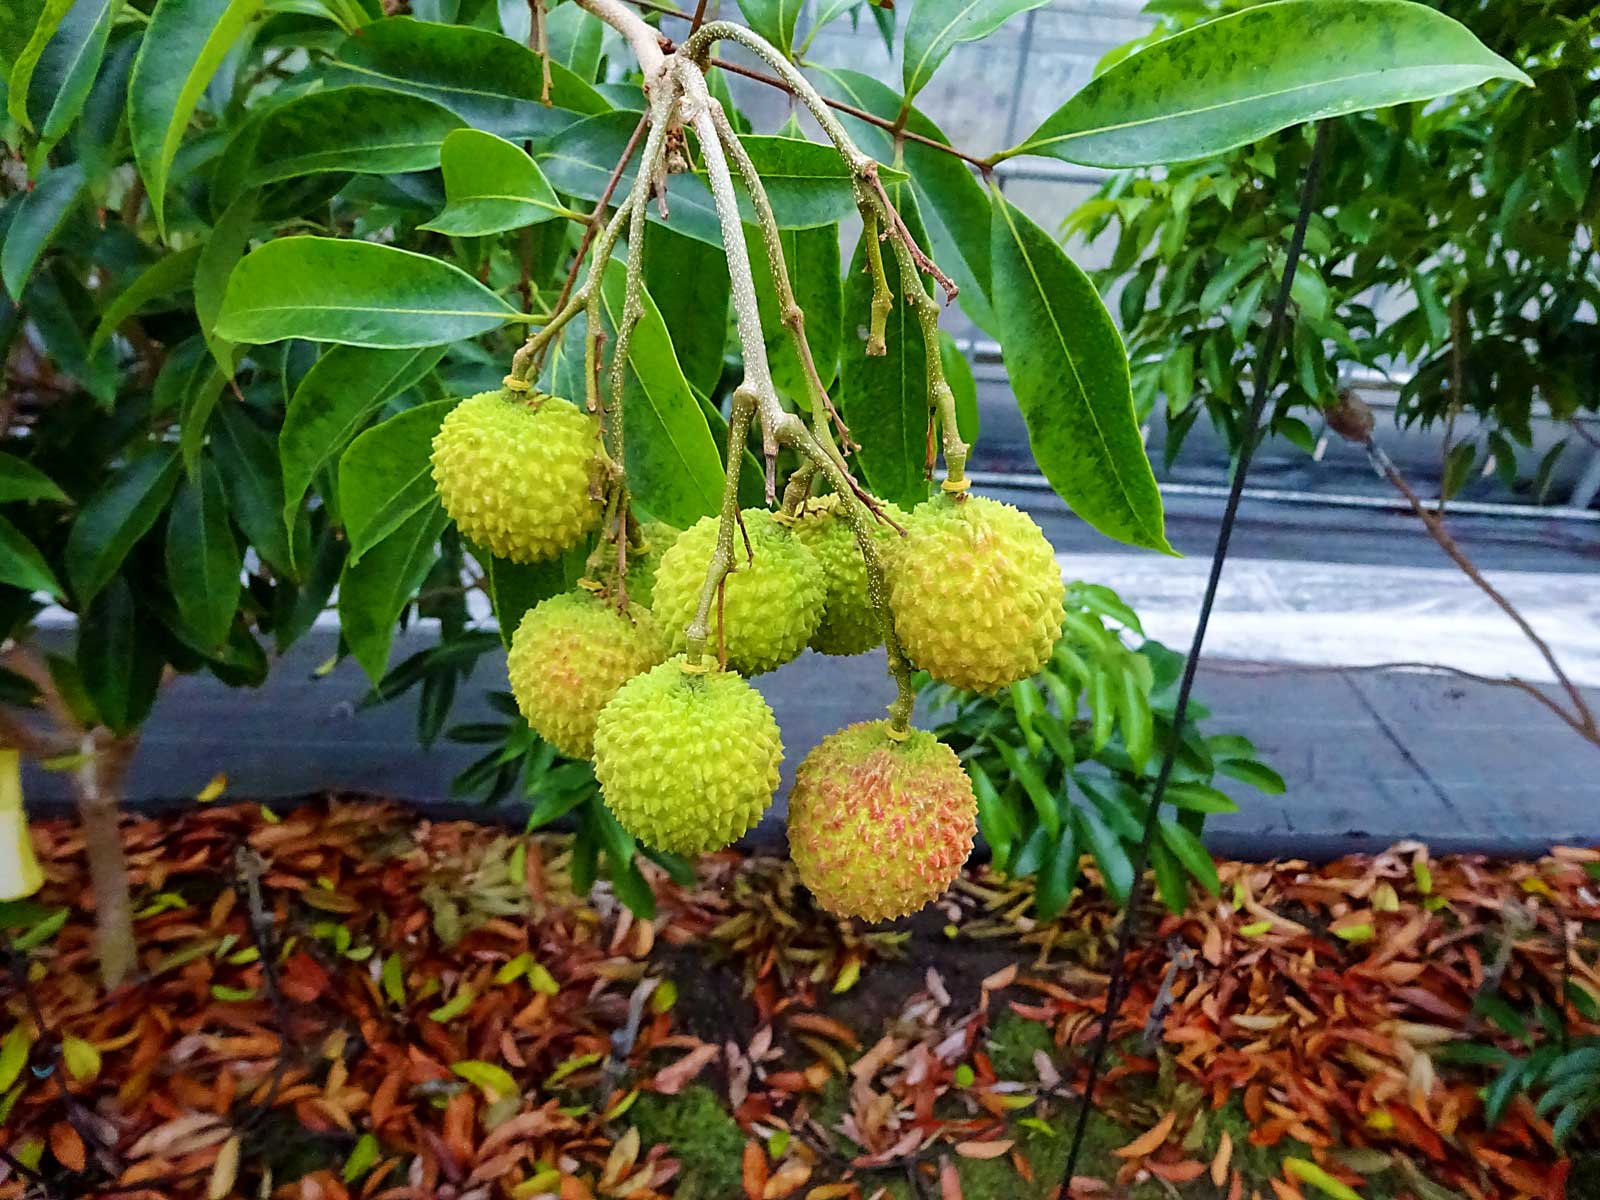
(99, 787)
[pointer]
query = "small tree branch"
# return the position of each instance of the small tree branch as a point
(1435, 526)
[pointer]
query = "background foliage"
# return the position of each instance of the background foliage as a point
(1453, 249)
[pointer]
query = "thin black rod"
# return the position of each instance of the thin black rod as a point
(1116, 987)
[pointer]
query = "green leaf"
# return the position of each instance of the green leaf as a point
(219, 255)
(1044, 801)
(996, 821)
(1171, 883)
(455, 1006)
(1058, 876)
(1112, 859)
(1133, 714)
(1186, 848)
(936, 26)
(363, 1157)
(495, 1082)
(1199, 797)
(807, 183)
(674, 468)
(14, 1055)
(514, 588)
(354, 293)
(365, 130)
(20, 480)
(197, 402)
(116, 517)
(688, 280)
(1230, 81)
(884, 397)
(491, 186)
(168, 274)
(773, 20)
(21, 564)
(343, 389)
(203, 559)
(1070, 373)
(386, 476)
(373, 591)
(576, 38)
(37, 221)
(121, 667)
(182, 48)
(67, 66)
(489, 81)
(812, 257)
(1257, 775)
(94, 141)
(81, 1057)
(248, 458)
(394, 980)
(1306, 1171)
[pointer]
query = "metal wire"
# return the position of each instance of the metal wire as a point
(1116, 987)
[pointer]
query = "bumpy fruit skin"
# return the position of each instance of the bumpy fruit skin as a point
(515, 477)
(879, 828)
(976, 593)
(848, 625)
(569, 656)
(772, 606)
(658, 538)
(687, 762)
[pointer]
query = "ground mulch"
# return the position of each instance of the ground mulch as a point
(346, 1001)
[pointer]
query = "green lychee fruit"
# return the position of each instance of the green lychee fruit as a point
(976, 593)
(848, 625)
(658, 538)
(772, 605)
(878, 827)
(513, 472)
(569, 656)
(687, 762)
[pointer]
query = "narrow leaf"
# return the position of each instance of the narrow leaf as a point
(386, 476)
(21, 564)
(355, 293)
(936, 26)
(42, 213)
(1070, 373)
(203, 559)
(182, 48)
(116, 517)
(1230, 81)
(373, 591)
(168, 274)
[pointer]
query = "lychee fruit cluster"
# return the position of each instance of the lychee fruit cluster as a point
(773, 598)
(976, 593)
(879, 826)
(569, 656)
(687, 760)
(849, 624)
(514, 473)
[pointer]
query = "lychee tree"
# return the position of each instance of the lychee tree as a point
(825, 511)
(552, 210)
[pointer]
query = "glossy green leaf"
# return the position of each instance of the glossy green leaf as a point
(354, 293)
(204, 561)
(935, 27)
(494, 1081)
(491, 186)
(674, 468)
(117, 656)
(996, 821)
(248, 458)
(1230, 81)
(334, 400)
(1070, 373)
(168, 274)
(1257, 775)
(21, 564)
(116, 517)
(38, 219)
(1058, 875)
(197, 402)
(386, 476)
(514, 588)
(688, 280)
(365, 130)
(952, 203)
(67, 66)
(884, 397)
(219, 254)
(773, 20)
(812, 258)
(21, 480)
(95, 139)
(1133, 715)
(373, 591)
(1187, 849)
(807, 183)
(1109, 855)
(182, 49)
(18, 83)
(489, 81)
(576, 38)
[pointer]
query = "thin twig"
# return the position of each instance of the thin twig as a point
(595, 217)
(1435, 527)
(250, 867)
